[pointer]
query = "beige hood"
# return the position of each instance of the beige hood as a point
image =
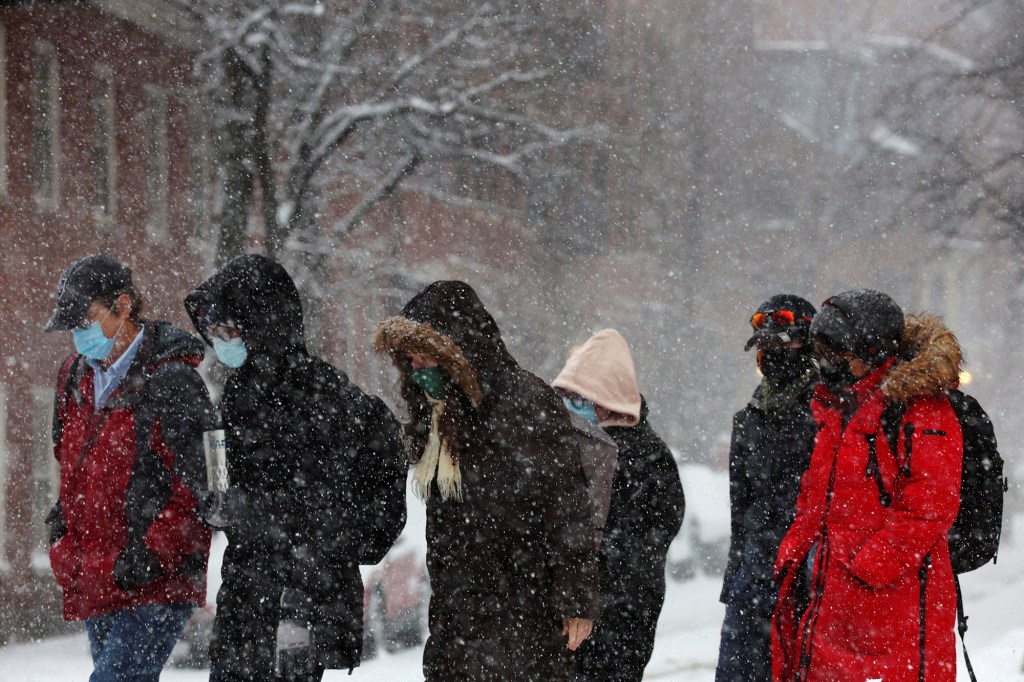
(601, 370)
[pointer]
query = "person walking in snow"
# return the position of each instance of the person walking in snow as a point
(772, 439)
(317, 482)
(510, 549)
(883, 598)
(126, 544)
(646, 510)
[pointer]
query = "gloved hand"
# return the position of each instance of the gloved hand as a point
(295, 655)
(55, 520)
(136, 566)
(224, 509)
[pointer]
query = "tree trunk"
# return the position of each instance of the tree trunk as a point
(234, 158)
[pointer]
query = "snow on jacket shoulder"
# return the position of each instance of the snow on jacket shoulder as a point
(884, 600)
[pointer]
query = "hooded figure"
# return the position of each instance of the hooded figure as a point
(772, 439)
(883, 599)
(645, 513)
(509, 544)
(318, 482)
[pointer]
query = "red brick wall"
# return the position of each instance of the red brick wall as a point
(39, 243)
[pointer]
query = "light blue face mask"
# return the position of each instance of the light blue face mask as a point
(92, 342)
(583, 408)
(232, 353)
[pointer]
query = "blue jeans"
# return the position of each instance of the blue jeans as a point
(745, 650)
(132, 645)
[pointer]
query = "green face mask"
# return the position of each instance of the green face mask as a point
(432, 380)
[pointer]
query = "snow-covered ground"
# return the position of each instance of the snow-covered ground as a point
(686, 647)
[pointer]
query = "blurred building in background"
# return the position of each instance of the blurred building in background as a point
(103, 146)
(745, 148)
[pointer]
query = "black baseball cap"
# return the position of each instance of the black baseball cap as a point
(84, 281)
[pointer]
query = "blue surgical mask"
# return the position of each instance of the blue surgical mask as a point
(583, 408)
(232, 353)
(92, 342)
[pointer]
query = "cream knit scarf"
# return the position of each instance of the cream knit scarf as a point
(437, 460)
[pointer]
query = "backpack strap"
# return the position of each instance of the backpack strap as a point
(890, 420)
(961, 626)
(872, 469)
(65, 388)
(892, 417)
(64, 377)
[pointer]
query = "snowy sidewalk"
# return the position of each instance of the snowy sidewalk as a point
(685, 651)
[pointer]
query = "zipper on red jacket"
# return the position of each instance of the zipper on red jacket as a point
(908, 447)
(820, 570)
(922, 576)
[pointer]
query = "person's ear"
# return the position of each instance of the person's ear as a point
(122, 303)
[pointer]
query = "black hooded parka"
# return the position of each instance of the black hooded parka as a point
(770, 450)
(515, 556)
(319, 465)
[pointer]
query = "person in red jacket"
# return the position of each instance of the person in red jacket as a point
(126, 544)
(883, 600)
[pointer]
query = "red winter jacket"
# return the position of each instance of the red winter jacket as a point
(883, 600)
(124, 531)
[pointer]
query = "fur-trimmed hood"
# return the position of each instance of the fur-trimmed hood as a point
(931, 360)
(447, 322)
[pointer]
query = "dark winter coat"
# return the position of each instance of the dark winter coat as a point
(125, 531)
(646, 512)
(767, 457)
(883, 600)
(320, 468)
(514, 558)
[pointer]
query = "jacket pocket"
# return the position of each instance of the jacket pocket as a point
(865, 619)
(65, 561)
(96, 576)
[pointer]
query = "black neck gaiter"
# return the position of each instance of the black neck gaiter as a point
(783, 366)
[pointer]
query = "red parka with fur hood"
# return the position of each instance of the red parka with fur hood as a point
(883, 600)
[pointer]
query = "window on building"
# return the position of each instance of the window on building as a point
(45, 124)
(44, 467)
(156, 164)
(3, 111)
(4, 460)
(199, 171)
(104, 150)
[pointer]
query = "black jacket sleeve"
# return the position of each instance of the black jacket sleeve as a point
(739, 499)
(380, 497)
(184, 409)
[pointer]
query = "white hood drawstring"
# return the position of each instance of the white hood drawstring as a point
(437, 460)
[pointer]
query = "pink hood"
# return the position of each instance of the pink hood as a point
(601, 370)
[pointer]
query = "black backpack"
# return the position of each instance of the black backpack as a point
(974, 536)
